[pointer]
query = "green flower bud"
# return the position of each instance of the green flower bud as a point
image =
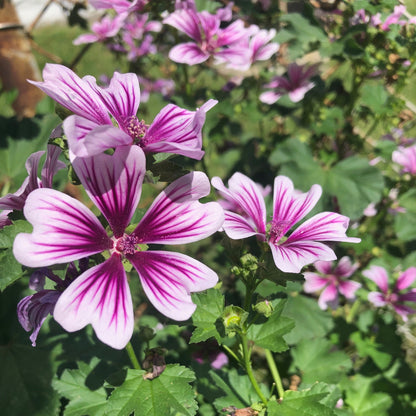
(264, 308)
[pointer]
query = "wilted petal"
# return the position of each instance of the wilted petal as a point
(406, 278)
(188, 53)
(176, 130)
(290, 208)
(122, 96)
(325, 226)
(169, 278)
(100, 297)
(34, 309)
(377, 299)
(114, 183)
(63, 230)
(51, 166)
(72, 92)
(247, 195)
(176, 216)
(292, 257)
(314, 282)
(379, 276)
(86, 138)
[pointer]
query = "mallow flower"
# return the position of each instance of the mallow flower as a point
(406, 156)
(65, 230)
(332, 279)
(91, 131)
(395, 297)
(304, 244)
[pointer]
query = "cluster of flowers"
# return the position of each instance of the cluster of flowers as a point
(400, 17)
(66, 231)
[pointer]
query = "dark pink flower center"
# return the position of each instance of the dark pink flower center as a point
(135, 128)
(126, 244)
(392, 298)
(277, 230)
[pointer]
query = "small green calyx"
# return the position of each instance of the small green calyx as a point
(264, 308)
(234, 319)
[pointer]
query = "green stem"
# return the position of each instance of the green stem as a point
(353, 311)
(249, 369)
(231, 353)
(275, 373)
(132, 356)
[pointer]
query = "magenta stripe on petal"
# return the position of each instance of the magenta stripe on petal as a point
(63, 230)
(238, 227)
(100, 297)
(114, 183)
(292, 257)
(379, 276)
(176, 217)
(168, 278)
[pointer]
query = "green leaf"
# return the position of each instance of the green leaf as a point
(170, 391)
(25, 379)
(374, 96)
(10, 269)
(302, 403)
(360, 397)
(310, 320)
(316, 360)
(355, 184)
(82, 400)
(405, 223)
(8, 233)
(209, 307)
(270, 333)
(236, 390)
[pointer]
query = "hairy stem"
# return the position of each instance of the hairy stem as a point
(249, 369)
(275, 373)
(132, 356)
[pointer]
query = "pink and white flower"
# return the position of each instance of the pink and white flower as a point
(209, 39)
(65, 230)
(295, 85)
(120, 6)
(90, 130)
(331, 279)
(304, 245)
(406, 156)
(396, 297)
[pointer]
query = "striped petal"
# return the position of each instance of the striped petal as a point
(325, 226)
(176, 216)
(73, 93)
(406, 278)
(176, 130)
(100, 297)
(291, 258)
(63, 230)
(238, 227)
(379, 276)
(314, 282)
(188, 53)
(290, 207)
(377, 299)
(121, 97)
(247, 196)
(114, 183)
(86, 138)
(328, 297)
(169, 278)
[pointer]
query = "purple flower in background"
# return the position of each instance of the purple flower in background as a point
(166, 87)
(91, 131)
(295, 85)
(209, 39)
(394, 18)
(106, 28)
(34, 309)
(331, 279)
(406, 156)
(65, 230)
(17, 200)
(210, 352)
(303, 246)
(392, 297)
(120, 6)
